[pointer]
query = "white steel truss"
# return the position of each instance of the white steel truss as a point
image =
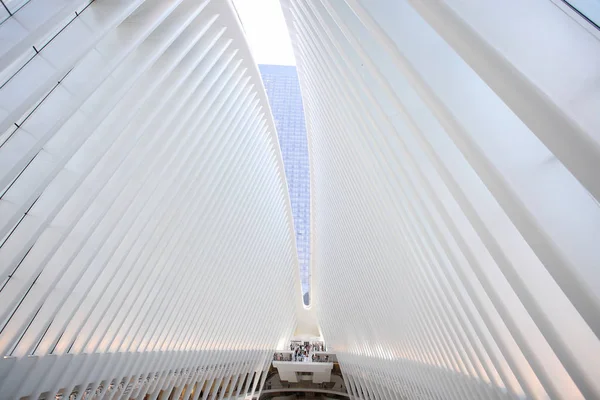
(147, 245)
(455, 150)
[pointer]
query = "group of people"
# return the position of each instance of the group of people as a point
(315, 346)
(298, 355)
(302, 352)
(318, 346)
(282, 357)
(320, 358)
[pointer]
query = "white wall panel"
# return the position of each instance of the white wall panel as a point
(454, 160)
(147, 241)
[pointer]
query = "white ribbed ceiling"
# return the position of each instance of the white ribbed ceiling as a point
(146, 235)
(454, 148)
(147, 239)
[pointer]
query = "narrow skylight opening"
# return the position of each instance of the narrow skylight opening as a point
(589, 9)
(269, 41)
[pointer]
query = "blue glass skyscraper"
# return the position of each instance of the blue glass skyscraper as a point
(283, 90)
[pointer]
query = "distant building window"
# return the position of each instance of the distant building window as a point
(283, 91)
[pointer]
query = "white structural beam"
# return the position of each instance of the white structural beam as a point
(146, 237)
(454, 151)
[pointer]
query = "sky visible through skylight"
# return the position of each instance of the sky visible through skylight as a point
(269, 41)
(266, 31)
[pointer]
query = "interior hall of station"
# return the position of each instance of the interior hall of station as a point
(299, 199)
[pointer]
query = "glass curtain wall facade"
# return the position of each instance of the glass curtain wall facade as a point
(283, 90)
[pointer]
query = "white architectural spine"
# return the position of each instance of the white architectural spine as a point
(454, 152)
(146, 238)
